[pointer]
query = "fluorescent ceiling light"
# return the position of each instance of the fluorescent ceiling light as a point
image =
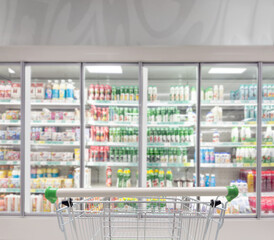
(11, 71)
(227, 70)
(104, 69)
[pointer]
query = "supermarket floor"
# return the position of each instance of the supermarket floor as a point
(44, 228)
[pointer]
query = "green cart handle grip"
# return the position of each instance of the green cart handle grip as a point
(53, 193)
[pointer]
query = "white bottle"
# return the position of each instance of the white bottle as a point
(235, 134)
(63, 88)
(187, 93)
(243, 137)
(247, 133)
(215, 93)
(221, 92)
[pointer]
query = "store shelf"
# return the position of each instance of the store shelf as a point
(55, 143)
(10, 102)
(177, 165)
(49, 103)
(10, 122)
(264, 194)
(61, 123)
(9, 190)
(229, 144)
(112, 124)
(113, 103)
(10, 162)
(228, 124)
(9, 142)
(111, 164)
(232, 103)
(170, 145)
(170, 124)
(114, 144)
(37, 190)
(54, 163)
(170, 104)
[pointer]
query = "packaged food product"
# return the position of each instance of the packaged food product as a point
(40, 91)
(68, 136)
(44, 156)
(33, 91)
(36, 203)
(45, 136)
(16, 90)
(77, 154)
(12, 115)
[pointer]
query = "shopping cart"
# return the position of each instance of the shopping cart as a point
(140, 213)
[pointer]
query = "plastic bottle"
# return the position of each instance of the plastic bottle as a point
(193, 94)
(161, 178)
(243, 137)
(202, 180)
(108, 177)
(212, 181)
(69, 92)
(169, 178)
(221, 92)
(187, 95)
(215, 92)
(250, 182)
(55, 90)
(216, 136)
(16, 172)
(235, 134)
(63, 89)
(48, 92)
(207, 182)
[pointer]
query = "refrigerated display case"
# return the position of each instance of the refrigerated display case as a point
(171, 125)
(111, 124)
(267, 150)
(228, 130)
(10, 124)
(86, 128)
(55, 130)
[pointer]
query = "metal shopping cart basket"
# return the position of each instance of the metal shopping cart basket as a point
(140, 213)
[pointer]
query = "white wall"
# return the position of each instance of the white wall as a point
(44, 228)
(136, 22)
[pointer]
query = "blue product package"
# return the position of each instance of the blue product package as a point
(69, 93)
(212, 181)
(207, 180)
(211, 153)
(55, 93)
(2, 135)
(1, 155)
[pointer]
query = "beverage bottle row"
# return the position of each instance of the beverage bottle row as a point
(267, 154)
(268, 135)
(244, 135)
(206, 180)
(170, 135)
(167, 155)
(123, 178)
(158, 178)
(214, 93)
(182, 93)
(163, 114)
(123, 135)
(267, 113)
(245, 92)
(44, 172)
(268, 91)
(123, 114)
(152, 93)
(114, 93)
(246, 155)
(55, 90)
(250, 113)
(123, 154)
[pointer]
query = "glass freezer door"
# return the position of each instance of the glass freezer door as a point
(171, 125)
(55, 131)
(10, 124)
(228, 130)
(111, 125)
(267, 174)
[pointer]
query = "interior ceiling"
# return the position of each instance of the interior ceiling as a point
(157, 72)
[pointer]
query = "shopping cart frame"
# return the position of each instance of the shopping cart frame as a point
(173, 219)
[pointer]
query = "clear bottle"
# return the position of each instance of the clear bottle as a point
(212, 181)
(221, 92)
(55, 90)
(48, 93)
(63, 88)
